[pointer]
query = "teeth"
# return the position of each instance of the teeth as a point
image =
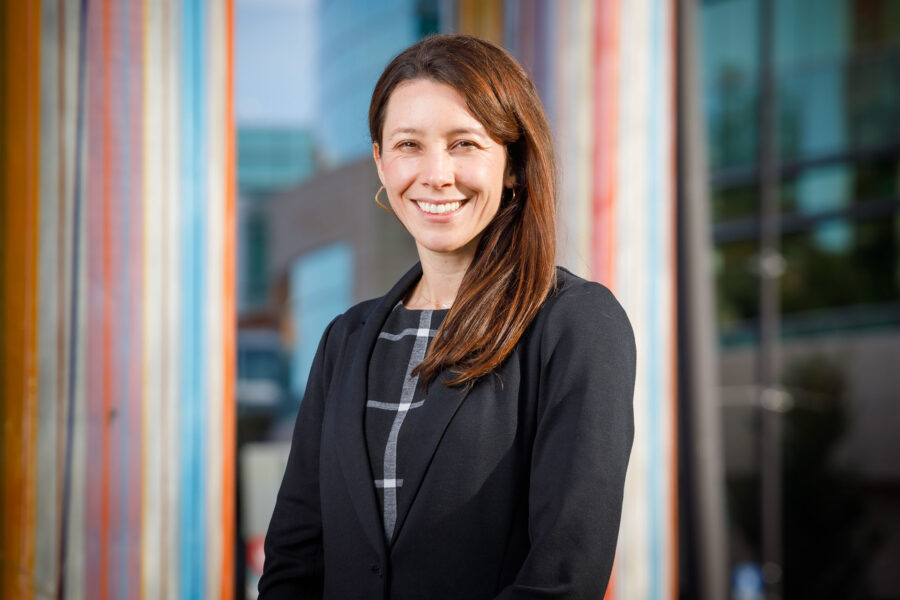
(439, 209)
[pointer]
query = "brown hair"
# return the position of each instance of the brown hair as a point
(513, 268)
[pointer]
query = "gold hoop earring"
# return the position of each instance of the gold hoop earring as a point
(388, 208)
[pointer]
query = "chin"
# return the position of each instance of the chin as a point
(443, 246)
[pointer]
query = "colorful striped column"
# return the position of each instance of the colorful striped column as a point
(117, 305)
(606, 73)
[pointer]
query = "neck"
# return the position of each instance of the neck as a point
(442, 275)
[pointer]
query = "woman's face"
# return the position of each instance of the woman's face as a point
(443, 173)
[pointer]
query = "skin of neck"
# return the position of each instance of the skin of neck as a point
(442, 274)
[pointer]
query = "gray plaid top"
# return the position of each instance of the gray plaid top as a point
(393, 397)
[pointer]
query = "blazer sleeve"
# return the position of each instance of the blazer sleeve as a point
(293, 547)
(584, 433)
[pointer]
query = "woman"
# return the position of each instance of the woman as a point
(466, 435)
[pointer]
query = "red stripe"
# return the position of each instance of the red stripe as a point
(606, 89)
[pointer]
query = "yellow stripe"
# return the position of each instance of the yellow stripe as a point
(482, 18)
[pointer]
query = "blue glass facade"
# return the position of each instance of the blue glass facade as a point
(837, 102)
(321, 287)
(357, 39)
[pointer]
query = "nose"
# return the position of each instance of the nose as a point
(438, 169)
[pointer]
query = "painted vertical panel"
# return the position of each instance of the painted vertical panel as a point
(50, 311)
(152, 428)
(133, 302)
(612, 109)
(100, 390)
(172, 315)
(192, 243)
(20, 59)
(214, 69)
(73, 561)
(228, 354)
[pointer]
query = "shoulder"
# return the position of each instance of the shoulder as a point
(582, 314)
(349, 322)
(353, 318)
(576, 301)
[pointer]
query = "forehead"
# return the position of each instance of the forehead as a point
(428, 106)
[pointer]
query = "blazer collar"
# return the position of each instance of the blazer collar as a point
(443, 402)
(350, 411)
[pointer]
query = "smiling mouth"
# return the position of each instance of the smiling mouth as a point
(440, 208)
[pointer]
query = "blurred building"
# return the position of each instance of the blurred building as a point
(834, 144)
(269, 159)
(357, 39)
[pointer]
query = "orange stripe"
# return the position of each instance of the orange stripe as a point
(228, 309)
(107, 308)
(611, 586)
(483, 18)
(32, 203)
(21, 129)
(673, 269)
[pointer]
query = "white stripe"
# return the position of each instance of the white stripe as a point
(388, 483)
(409, 331)
(394, 405)
(153, 359)
(216, 92)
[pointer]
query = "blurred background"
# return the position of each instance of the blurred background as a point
(187, 201)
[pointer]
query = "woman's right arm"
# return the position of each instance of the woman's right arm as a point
(293, 566)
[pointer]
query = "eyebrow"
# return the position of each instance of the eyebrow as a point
(457, 131)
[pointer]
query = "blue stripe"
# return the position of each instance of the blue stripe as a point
(656, 269)
(192, 377)
(73, 299)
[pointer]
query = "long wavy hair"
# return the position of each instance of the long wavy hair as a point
(513, 268)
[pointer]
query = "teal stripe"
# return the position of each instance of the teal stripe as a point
(656, 268)
(193, 161)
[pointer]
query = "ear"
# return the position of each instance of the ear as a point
(376, 154)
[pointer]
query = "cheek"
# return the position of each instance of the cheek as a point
(486, 174)
(399, 174)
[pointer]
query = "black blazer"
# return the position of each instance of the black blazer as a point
(517, 488)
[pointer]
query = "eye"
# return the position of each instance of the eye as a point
(406, 145)
(465, 144)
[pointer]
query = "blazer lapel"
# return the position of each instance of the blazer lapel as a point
(441, 404)
(350, 412)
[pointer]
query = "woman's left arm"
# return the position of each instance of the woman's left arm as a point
(583, 440)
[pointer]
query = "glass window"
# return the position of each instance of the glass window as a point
(730, 86)
(321, 288)
(840, 263)
(729, 204)
(736, 290)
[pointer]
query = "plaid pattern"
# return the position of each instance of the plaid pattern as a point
(404, 339)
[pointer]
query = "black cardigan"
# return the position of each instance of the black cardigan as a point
(517, 488)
